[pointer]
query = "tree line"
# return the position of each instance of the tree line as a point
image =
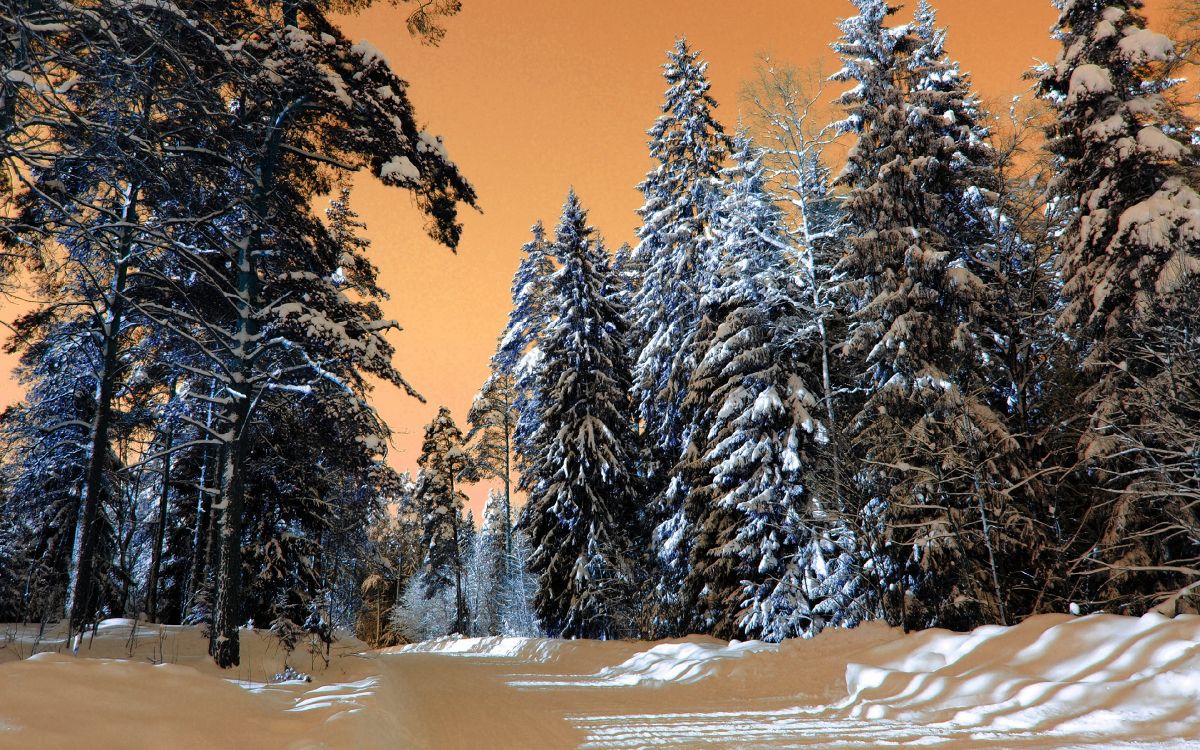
(954, 384)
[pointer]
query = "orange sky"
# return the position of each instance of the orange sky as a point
(533, 96)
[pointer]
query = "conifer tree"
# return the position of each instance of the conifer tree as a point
(442, 459)
(488, 564)
(98, 97)
(689, 146)
(937, 459)
(580, 515)
(199, 221)
(493, 418)
(747, 457)
(1129, 259)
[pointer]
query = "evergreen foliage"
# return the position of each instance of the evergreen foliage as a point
(580, 514)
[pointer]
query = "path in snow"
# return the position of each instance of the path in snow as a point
(1051, 682)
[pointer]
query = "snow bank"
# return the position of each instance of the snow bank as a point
(497, 647)
(140, 685)
(1054, 681)
(1053, 673)
(681, 662)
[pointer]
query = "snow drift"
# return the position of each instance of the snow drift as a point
(1054, 674)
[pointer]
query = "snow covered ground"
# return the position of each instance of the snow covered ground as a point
(1051, 682)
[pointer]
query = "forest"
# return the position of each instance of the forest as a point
(915, 362)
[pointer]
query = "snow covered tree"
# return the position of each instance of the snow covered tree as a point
(518, 354)
(493, 417)
(626, 272)
(689, 147)
(580, 516)
(1129, 260)
(442, 459)
(745, 461)
(487, 567)
(937, 459)
(418, 617)
(307, 100)
(518, 614)
(107, 100)
(247, 112)
(785, 111)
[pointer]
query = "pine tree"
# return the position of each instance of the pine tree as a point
(247, 111)
(307, 98)
(580, 515)
(493, 418)
(1129, 259)
(99, 90)
(783, 102)
(392, 545)
(409, 525)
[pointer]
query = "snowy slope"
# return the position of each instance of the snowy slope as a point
(1052, 682)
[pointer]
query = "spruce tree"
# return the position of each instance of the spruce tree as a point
(689, 147)
(98, 98)
(1129, 260)
(580, 515)
(746, 460)
(937, 459)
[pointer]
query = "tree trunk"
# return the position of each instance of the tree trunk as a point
(460, 602)
(160, 533)
(224, 645)
(128, 516)
(82, 586)
(507, 489)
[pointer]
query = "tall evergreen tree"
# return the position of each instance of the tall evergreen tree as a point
(937, 458)
(1129, 259)
(673, 255)
(441, 504)
(101, 103)
(580, 515)
(746, 459)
